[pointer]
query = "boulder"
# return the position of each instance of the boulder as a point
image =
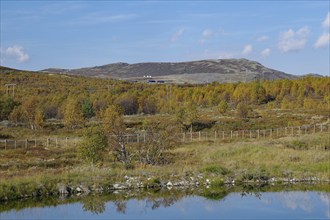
(63, 189)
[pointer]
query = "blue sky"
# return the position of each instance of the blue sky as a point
(291, 36)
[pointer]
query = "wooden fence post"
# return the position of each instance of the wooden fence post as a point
(223, 135)
(231, 134)
(276, 132)
(15, 144)
(299, 130)
(258, 133)
(199, 135)
(6, 144)
(26, 143)
(215, 135)
(250, 134)
(321, 128)
(137, 138)
(314, 129)
(191, 137)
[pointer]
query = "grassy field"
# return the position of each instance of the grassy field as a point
(27, 171)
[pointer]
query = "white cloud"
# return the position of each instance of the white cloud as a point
(207, 33)
(15, 52)
(262, 38)
(322, 41)
(265, 52)
(247, 49)
(177, 35)
(326, 22)
(293, 41)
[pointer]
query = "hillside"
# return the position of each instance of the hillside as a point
(203, 71)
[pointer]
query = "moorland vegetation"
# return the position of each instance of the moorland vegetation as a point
(102, 112)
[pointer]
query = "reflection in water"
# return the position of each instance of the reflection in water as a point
(296, 200)
(325, 197)
(230, 202)
(94, 204)
(121, 207)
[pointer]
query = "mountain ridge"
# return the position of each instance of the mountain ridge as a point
(200, 71)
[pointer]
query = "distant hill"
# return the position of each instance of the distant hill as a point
(203, 71)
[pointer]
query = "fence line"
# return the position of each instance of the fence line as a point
(183, 137)
(34, 142)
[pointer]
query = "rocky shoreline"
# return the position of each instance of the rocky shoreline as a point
(135, 183)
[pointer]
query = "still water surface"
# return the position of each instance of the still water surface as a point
(232, 205)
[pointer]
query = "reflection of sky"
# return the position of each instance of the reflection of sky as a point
(288, 205)
(325, 197)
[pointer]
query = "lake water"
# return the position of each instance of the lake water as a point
(174, 204)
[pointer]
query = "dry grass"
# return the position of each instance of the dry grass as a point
(291, 157)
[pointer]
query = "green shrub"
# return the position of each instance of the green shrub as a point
(92, 147)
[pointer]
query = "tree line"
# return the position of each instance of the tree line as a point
(75, 100)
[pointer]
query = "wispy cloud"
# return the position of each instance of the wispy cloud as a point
(98, 18)
(262, 38)
(61, 7)
(322, 41)
(265, 52)
(177, 35)
(14, 52)
(207, 33)
(293, 40)
(326, 22)
(247, 49)
(164, 21)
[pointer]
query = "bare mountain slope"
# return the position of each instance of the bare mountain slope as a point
(222, 70)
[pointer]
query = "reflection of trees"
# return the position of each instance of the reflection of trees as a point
(166, 198)
(121, 206)
(251, 193)
(215, 193)
(165, 201)
(250, 190)
(94, 204)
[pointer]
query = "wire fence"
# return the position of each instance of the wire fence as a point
(182, 137)
(255, 134)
